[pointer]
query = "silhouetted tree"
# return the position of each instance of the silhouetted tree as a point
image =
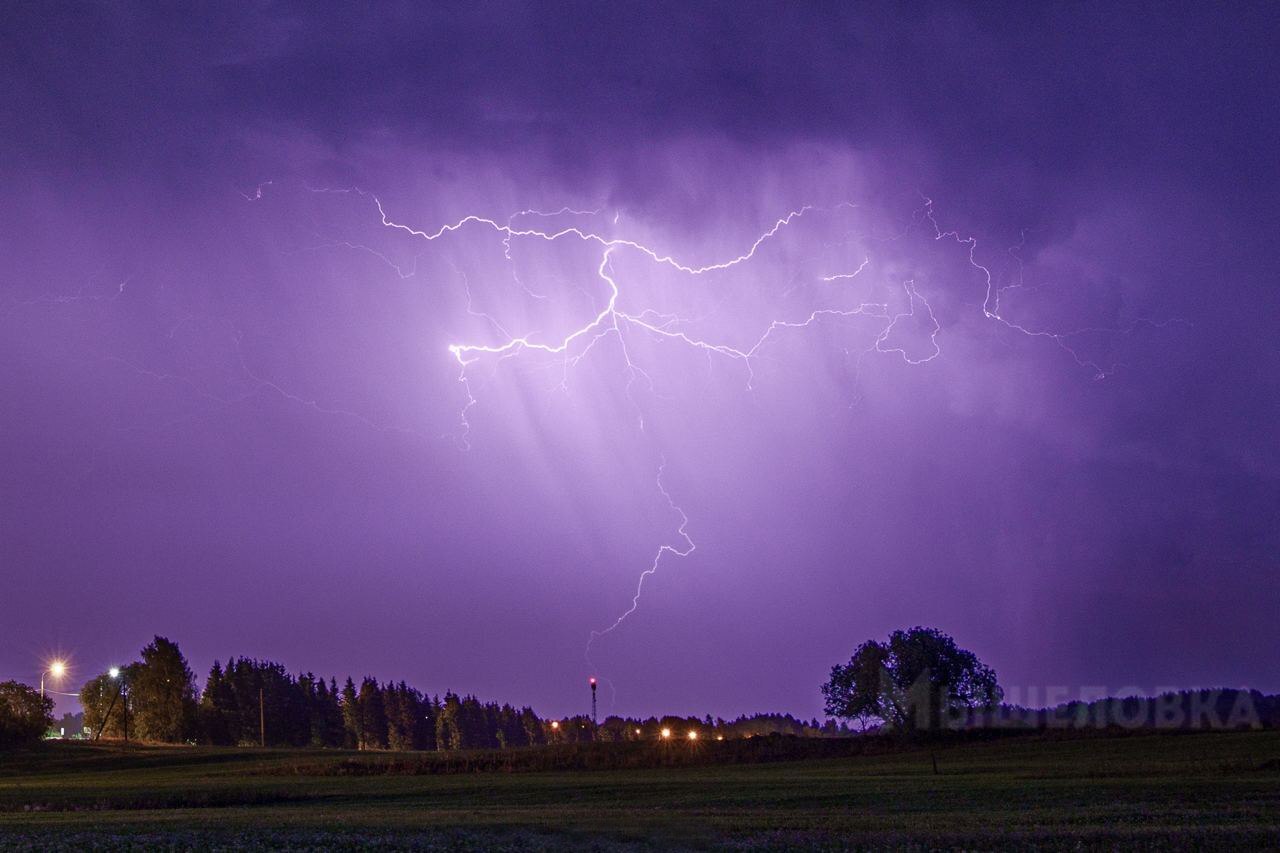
(918, 680)
(162, 694)
(217, 709)
(25, 715)
(324, 715)
(336, 730)
(373, 716)
(448, 723)
(533, 729)
(352, 726)
(402, 706)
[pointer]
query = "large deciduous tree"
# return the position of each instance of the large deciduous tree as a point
(162, 694)
(919, 680)
(25, 715)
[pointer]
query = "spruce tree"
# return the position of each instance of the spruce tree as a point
(373, 715)
(351, 724)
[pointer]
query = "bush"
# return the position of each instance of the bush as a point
(25, 715)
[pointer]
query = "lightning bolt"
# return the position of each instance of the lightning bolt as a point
(614, 318)
(687, 547)
(610, 320)
(992, 311)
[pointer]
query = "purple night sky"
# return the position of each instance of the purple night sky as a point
(231, 414)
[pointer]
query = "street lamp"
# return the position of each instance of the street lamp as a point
(57, 669)
(124, 701)
(120, 697)
(666, 734)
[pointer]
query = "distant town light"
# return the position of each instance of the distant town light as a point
(666, 733)
(693, 735)
(719, 737)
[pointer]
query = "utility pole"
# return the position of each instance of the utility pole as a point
(262, 719)
(107, 716)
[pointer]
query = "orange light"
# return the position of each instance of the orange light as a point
(666, 733)
(555, 724)
(719, 737)
(693, 735)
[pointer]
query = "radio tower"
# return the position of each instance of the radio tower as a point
(592, 682)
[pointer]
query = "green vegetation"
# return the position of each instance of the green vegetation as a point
(25, 715)
(253, 702)
(1055, 790)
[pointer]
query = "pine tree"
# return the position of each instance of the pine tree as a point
(373, 716)
(533, 729)
(318, 715)
(351, 723)
(448, 723)
(216, 706)
(333, 714)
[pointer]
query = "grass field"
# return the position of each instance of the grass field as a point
(1206, 791)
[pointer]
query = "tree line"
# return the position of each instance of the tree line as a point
(258, 702)
(919, 681)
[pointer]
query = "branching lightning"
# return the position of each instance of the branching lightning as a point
(618, 313)
(610, 320)
(687, 547)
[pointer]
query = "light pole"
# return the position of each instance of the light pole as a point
(116, 675)
(57, 669)
(124, 701)
(592, 681)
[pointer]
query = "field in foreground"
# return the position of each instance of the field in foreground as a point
(1208, 791)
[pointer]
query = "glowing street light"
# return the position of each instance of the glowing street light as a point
(555, 724)
(666, 734)
(57, 669)
(116, 675)
(693, 735)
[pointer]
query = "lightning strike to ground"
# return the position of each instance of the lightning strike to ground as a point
(610, 320)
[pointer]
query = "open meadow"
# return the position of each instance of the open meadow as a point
(1048, 791)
